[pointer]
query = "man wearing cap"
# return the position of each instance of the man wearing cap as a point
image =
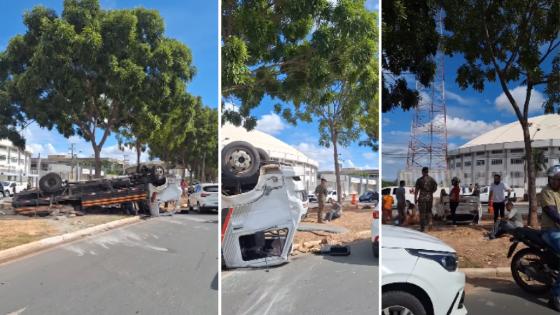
(321, 193)
(498, 196)
(550, 223)
(424, 191)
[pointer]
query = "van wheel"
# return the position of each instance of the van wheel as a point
(50, 183)
(240, 160)
(400, 302)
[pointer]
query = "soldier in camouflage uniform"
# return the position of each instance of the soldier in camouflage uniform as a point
(321, 193)
(424, 191)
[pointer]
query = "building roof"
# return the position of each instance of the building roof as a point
(8, 143)
(549, 126)
(273, 146)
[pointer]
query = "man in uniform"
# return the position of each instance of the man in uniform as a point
(401, 201)
(321, 193)
(550, 223)
(424, 191)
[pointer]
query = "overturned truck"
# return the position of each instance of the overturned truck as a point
(141, 191)
(262, 205)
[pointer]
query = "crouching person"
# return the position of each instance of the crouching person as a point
(513, 220)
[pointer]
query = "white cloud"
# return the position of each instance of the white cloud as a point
(349, 163)
(459, 99)
(519, 93)
(270, 123)
(468, 129)
(324, 156)
(231, 107)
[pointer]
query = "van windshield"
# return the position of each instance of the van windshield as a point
(210, 188)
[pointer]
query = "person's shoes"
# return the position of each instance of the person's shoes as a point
(554, 303)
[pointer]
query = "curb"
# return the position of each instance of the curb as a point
(29, 248)
(486, 272)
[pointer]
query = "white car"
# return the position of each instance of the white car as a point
(485, 194)
(419, 275)
(409, 194)
(204, 197)
(331, 195)
(12, 187)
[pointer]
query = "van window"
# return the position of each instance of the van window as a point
(263, 244)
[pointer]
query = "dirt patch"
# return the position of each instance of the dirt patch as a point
(14, 232)
(356, 219)
(473, 247)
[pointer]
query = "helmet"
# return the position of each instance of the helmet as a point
(553, 171)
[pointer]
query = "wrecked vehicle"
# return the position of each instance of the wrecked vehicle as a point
(262, 205)
(141, 191)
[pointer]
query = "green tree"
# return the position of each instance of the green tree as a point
(410, 42)
(511, 42)
(89, 70)
(340, 72)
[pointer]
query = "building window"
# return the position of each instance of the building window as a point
(516, 161)
(480, 153)
(497, 151)
(468, 163)
(14, 160)
(516, 174)
(517, 150)
(466, 175)
(496, 162)
(3, 158)
(458, 164)
(480, 162)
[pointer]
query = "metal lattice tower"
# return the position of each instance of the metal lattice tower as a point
(428, 132)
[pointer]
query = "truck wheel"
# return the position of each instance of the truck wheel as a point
(263, 155)
(50, 183)
(240, 160)
(158, 175)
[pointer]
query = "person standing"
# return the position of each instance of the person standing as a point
(400, 193)
(476, 191)
(550, 224)
(498, 196)
(387, 208)
(321, 193)
(454, 197)
(424, 191)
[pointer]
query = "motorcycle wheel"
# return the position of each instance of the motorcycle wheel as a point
(526, 258)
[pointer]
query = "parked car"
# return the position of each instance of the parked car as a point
(331, 195)
(375, 233)
(204, 197)
(4, 190)
(312, 198)
(419, 274)
(409, 195)
(368, 196)
(485, 194)
(10, 188)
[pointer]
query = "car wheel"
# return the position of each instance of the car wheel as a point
(401, 303)
(240, 160)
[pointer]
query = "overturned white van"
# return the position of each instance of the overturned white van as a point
(259, 224)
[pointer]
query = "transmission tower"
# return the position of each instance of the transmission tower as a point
(428, 132)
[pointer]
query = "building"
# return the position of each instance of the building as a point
(14, 163)
(353, 180)
(276, 149)
(74, 169)
(502, 151)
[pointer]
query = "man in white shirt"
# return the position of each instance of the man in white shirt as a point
(498, 196)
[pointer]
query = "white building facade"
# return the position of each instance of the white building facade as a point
(14, 163)
(502, 151)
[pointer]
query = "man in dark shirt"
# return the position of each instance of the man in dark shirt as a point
(424, 191)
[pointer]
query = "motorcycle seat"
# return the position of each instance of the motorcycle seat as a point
(532, 235)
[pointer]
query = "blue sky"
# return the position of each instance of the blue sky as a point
(469, 114)
(194, 23)
(305, 136)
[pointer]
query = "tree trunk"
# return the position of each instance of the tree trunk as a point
(138, 154)
(531, 177)
(97, 155)
(336, 167)
(203, 169)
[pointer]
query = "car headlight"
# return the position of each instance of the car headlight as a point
(445, 259)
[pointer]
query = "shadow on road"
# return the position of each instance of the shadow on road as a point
(507, 287)
(360, 254)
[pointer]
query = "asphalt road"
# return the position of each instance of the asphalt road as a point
(308, 284)
(490, 296)
(166, 265)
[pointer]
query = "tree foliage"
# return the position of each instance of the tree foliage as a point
(89, 70)
(410, 41)
(512, 42)
(297, 52)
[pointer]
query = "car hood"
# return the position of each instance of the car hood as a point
(398, 237)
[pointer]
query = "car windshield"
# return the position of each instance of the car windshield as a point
(210, 188)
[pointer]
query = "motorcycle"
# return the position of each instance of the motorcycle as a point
(535, 267)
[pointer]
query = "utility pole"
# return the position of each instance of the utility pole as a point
(72, 146)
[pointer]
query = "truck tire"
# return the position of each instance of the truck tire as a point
(263, 155)
(50, 183)
(158, 175)
(240, 160)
